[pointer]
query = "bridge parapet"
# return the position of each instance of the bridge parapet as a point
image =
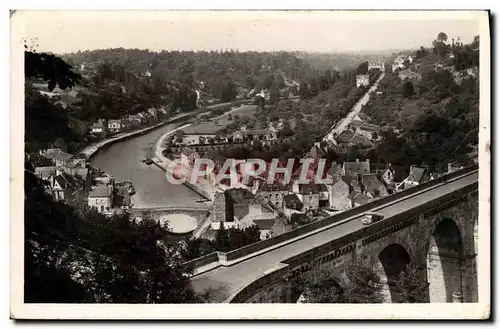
(277, 273)
(261, 245)
(346, 247)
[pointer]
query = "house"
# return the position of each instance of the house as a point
(329, 145)
(273, 193)
(216, 158)
(292, 205)
(162, 111)
(115, 126)
(373, 187)
(394, 174)
(281, 225)
(334, 171)
(239, 136)
(188, 156)
(84, 175)
(362, 80)
(356, 168)
(101, 198)
(324, 195)
(376, 65)
(135, 118)
(259, 214)
(308, 194)
(45, 172)
(63, 186)
(368, 130)
(340, 190)
(237, 201)
(153, 112)
(58, 157)
(316, 152)
(98, 127)
(358, 199)
(416, 177)
(271, 134)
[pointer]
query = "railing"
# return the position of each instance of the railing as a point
(345, 242)
(203, 260)
(252, 248)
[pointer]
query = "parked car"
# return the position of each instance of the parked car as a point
(371, 217)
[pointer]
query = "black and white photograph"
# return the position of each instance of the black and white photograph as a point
(296, 158)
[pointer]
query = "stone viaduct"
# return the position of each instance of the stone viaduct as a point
(433, 225)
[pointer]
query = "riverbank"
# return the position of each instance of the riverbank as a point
(91, 150)
(203, 187)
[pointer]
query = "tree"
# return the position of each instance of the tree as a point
(442, 37)
(304, 92)
(322, 286)
(411, 286)
(222, 240)
(362, 68)
(408, 90)
(362, 285)
(314, 88)
(50, 68)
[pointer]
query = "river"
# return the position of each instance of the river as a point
(123, 161)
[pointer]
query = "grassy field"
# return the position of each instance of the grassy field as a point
(212, 126)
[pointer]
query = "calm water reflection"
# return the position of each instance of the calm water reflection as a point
(123, 160)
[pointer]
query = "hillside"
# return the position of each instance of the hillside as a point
(434, 102)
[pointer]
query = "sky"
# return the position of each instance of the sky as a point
(70, 31)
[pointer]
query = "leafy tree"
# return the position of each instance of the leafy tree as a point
(359, 286)
(362, 68)
(408, 90)
(304, 91)
(314, 88)
(411, 286)
(362, 285)
(50, 68)
(442, 37)
(322, 286)
(222, 240)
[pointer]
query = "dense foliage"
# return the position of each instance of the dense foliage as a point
(78, 255)
(411, 285)
(437, 109)
(226, 239)
(360, 285)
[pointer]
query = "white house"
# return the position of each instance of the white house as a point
(362, 80)
(308, 194)
(101, 198)
(115, 126)
(98, 127)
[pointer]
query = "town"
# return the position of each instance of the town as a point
(233, 176)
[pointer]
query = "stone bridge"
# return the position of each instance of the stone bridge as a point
(433, 225)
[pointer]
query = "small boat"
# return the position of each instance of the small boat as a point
(148, 160)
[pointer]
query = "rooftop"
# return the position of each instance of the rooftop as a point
(101, 192)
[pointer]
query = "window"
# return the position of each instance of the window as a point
(102, 208)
